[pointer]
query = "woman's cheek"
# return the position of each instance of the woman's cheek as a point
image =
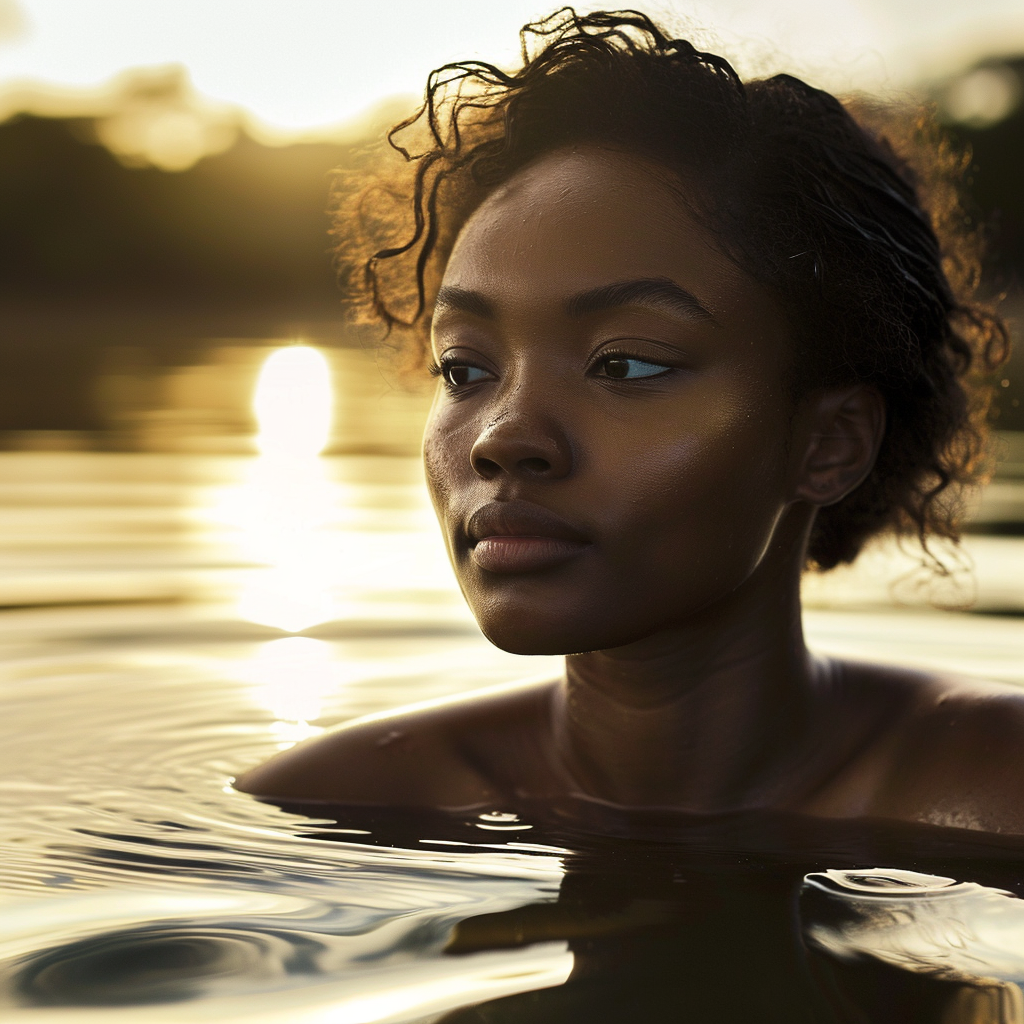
(447, 442)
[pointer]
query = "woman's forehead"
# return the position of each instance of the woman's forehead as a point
(583, 218)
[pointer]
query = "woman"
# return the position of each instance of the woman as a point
(693, 337)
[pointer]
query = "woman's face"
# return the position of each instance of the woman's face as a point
(607, 452)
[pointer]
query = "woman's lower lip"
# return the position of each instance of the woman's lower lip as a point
(523, 554)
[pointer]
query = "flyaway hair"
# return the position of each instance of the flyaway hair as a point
(848, 213)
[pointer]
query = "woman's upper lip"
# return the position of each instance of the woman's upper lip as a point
(520, 519)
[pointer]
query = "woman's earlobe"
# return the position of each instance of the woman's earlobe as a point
(838, 439)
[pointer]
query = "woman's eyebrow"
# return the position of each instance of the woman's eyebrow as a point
(653, 292)
(464, 301)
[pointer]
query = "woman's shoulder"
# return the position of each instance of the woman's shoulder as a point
(954, 753)
(425, 754)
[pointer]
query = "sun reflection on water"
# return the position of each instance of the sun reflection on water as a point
(294, 404)
(323, 537)
(292, 677)
(284, 510)
(284, 507)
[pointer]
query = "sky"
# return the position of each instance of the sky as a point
(299, 66)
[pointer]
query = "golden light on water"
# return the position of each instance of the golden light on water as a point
(315, 538)
(318, 538)
(294, 403)
(284, 513)
(291, 677)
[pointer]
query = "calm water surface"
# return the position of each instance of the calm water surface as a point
(172, 620)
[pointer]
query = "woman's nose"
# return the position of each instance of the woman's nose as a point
(521, 446)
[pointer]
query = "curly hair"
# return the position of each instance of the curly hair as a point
(848, 213)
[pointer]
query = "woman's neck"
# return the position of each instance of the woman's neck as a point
(711, 716)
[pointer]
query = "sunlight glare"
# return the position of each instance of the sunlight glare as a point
(312, 544)
(287, 508)
(292, 677)
(286, 511)
(294, 403)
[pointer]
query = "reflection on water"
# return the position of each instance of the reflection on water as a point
(283, 511)
(134, 876)
(172, 620)
(731, 920)
(293, 404)
(285, 507)
(293, 677)
(261, 957)
(884, 932)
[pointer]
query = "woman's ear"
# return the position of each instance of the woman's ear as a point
(839, 432)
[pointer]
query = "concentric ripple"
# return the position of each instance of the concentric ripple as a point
(138, 879)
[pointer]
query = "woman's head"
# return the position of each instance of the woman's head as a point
(613, 448)
(782, 183)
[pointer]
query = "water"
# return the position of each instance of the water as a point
(172, 620)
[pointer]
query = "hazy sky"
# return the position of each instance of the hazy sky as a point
(299, 64)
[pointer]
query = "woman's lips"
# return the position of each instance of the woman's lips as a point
(523, 554)
(519, 536)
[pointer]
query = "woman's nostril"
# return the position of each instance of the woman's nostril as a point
(486, 467)
(519, 452)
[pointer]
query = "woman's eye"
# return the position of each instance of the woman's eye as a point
(460, 374)
(624, 368)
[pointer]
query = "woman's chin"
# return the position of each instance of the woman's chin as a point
(521, 635)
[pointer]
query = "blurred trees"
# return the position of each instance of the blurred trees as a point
(99, 255)
(996, 179)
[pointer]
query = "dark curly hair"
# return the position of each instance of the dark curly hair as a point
(848, 214)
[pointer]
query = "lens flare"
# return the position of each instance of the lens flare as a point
(293, 403)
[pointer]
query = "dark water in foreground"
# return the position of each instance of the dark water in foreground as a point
(170, 621)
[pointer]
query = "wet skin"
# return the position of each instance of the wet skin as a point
(623, 477)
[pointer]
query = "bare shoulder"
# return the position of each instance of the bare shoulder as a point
(421, 755)
(958, 753)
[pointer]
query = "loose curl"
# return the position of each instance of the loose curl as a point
(850, 216)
